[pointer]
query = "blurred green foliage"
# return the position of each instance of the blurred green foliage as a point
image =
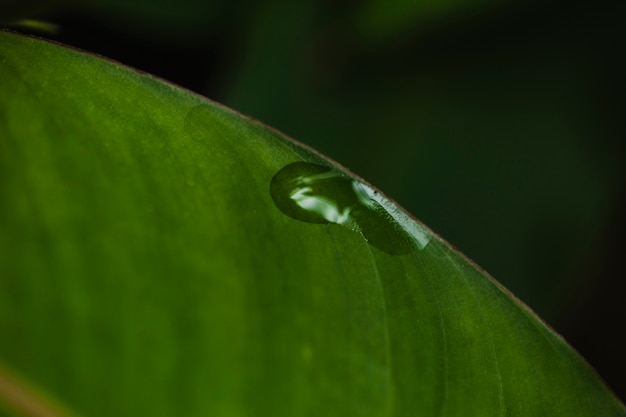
(382, 20)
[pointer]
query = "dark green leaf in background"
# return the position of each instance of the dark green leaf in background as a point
(146, 269)
(384, 21)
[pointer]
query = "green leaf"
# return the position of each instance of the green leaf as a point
(162, 255)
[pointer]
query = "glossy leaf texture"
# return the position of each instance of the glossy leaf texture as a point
(162, 255)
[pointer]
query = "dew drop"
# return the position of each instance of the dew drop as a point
(323, 195)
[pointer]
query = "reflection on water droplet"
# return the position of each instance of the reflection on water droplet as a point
(320, 194)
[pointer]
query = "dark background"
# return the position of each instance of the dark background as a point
(500, 124)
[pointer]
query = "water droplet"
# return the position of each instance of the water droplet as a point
(321, 194)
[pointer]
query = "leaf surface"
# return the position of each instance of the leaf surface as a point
(162, 255)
